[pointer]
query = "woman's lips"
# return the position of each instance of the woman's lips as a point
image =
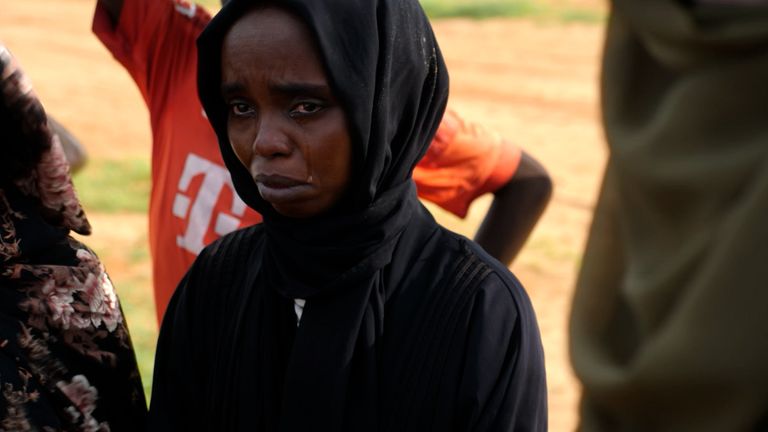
(276, 188)
(278, 181)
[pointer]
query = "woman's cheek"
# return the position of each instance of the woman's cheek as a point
(241, 151)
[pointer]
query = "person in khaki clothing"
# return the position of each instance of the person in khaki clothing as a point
(668, 328)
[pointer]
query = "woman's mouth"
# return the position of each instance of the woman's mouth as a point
(276, 188)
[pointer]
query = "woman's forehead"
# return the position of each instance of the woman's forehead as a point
(270, 25)
(271, 38)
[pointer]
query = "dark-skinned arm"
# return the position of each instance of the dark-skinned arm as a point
(516, 208)
(73, 150)
(113, 8)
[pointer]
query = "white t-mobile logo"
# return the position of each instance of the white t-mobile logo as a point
(201, 212)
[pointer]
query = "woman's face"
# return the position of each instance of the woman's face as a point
(284, 122)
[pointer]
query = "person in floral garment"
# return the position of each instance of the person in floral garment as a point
(66, 359)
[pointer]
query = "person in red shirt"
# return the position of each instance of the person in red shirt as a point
(193, 201)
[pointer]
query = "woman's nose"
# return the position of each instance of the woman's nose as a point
(271, 141)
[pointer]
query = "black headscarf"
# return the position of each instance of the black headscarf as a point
(407, 327)
(384, 65)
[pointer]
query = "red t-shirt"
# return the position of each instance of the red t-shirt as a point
(463, 162)
(193, 200)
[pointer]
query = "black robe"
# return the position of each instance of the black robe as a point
(459, 349)
(407, 327)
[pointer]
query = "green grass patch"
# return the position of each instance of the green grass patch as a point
(509, 9)
(580, 15)
(113, 186)
(482, 9)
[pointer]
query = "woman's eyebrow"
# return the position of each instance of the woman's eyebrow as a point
(299, 88)
(285, 88)
(231, 88)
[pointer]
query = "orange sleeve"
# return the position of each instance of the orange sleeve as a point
(463, 162)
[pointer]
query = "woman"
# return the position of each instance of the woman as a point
(66, 360)
(349, 308)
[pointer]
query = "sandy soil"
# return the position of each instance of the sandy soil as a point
(533, 82)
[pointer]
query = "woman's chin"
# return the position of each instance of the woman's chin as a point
(299, 209)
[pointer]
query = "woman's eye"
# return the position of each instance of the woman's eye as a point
(241, 109)
(305, 108)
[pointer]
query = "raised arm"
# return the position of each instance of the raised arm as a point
(516, 208)
(73, 149)
(113, 8)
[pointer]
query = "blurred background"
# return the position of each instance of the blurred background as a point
(527, 69)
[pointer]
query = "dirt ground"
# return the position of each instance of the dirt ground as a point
(535, 82)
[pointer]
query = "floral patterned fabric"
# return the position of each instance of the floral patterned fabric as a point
(66, 359)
